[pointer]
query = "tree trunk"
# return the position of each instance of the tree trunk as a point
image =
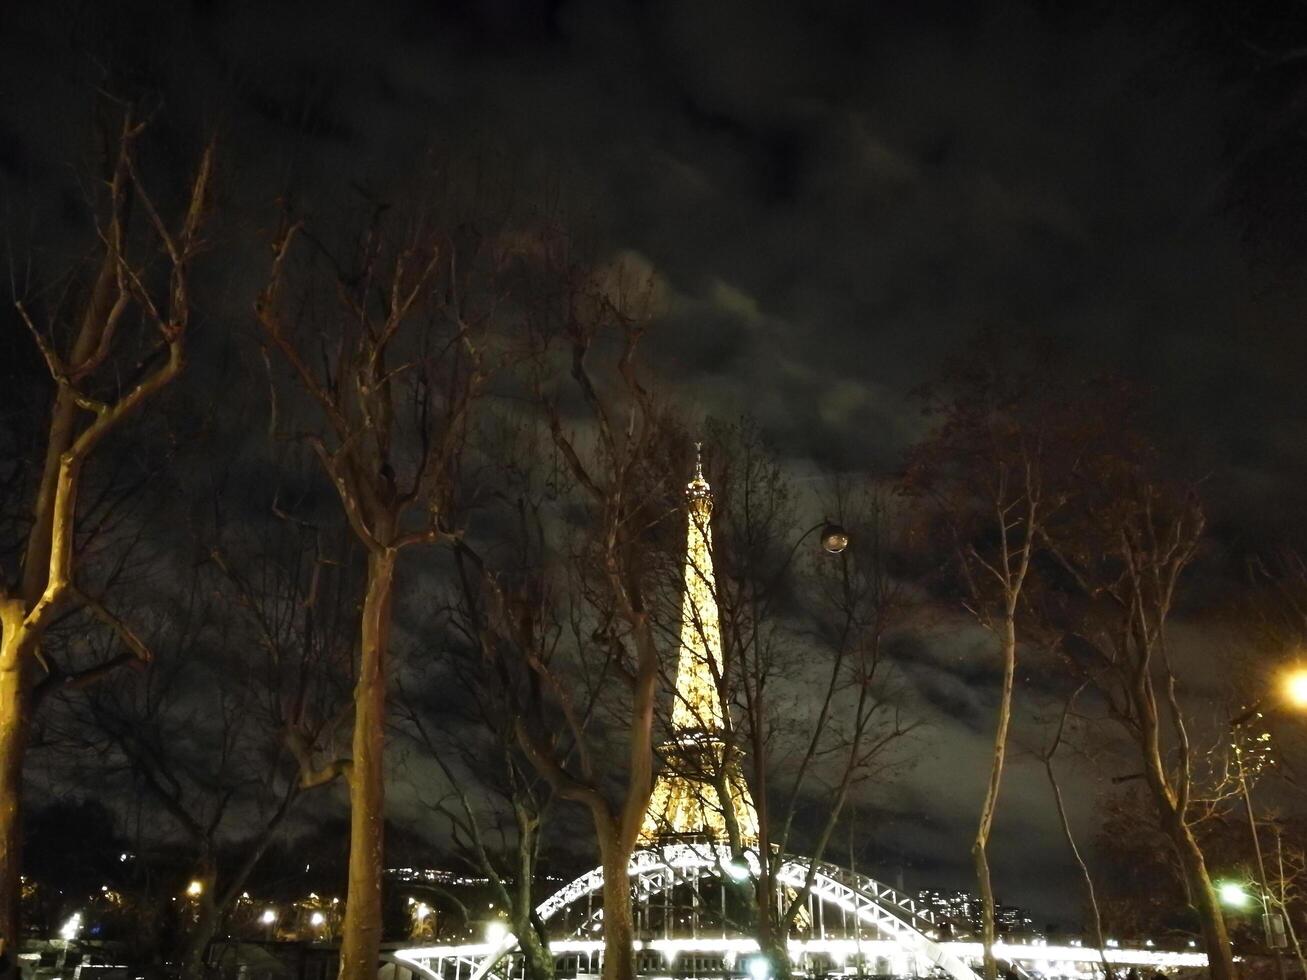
(773, 944)
(1220, 959)
(201, 932)
(980, 849)
(619, 928)
(1090, 893)
(539, 962)
(361, 933)
(214, 905)
(13, 746)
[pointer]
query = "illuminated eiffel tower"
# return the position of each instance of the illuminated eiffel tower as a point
(686, 803)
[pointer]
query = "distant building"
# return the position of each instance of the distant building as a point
(962, 910)
(1010, 920)
(436, 876)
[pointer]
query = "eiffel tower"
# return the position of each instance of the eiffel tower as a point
(685, 804)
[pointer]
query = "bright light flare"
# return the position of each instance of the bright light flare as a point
(759, 968)
(268, 917)
(1233, 894)
(736, 870)
(1295, 688)
(317, 919)
(195, 888)
(495, 932)
(69, 930)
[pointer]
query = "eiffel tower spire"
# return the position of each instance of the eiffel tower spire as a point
(685, 800)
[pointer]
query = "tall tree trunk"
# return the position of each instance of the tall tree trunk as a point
(531, 936)
(619, 927)
(773, 944)
(772, 934)
(361, 934)
(1220, 959)
(539, 961)
(980, 849)
(13, 746)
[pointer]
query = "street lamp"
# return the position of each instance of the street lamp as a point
(1294, 692)
(1295, 688)
(1233, 894)
(834, 539)
(269, 919)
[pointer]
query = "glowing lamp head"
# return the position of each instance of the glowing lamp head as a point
(69, 930)
(268, 917)
(834, 539)
(317, 919)
(736, 870)
(495, 932)
(759, 968)
(1295, 688)
(195, 889)
(1233, 894)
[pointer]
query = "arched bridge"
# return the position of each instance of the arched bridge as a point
(676, 891)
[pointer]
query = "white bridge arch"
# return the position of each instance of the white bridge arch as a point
(868, 920)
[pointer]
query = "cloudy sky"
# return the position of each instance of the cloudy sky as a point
(833, 196)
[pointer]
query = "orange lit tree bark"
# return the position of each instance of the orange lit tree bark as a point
(985, 469)
(98, 386)
(393, 369)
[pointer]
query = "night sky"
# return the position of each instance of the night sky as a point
(832, 196)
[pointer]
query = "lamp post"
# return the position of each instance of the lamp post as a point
(1295, 694)
(1272, 924)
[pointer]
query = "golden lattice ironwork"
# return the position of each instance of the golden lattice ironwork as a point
(686, 800)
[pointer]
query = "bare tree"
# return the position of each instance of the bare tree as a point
(985, 468)
(101, 379)
(393, 368)
(266, 639)
(494, 803)
(576, 629)
(1125, 546)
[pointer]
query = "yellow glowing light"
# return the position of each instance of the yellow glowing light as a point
(1295, 688)
(195, 888)
(679, 804)
(317, 919)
